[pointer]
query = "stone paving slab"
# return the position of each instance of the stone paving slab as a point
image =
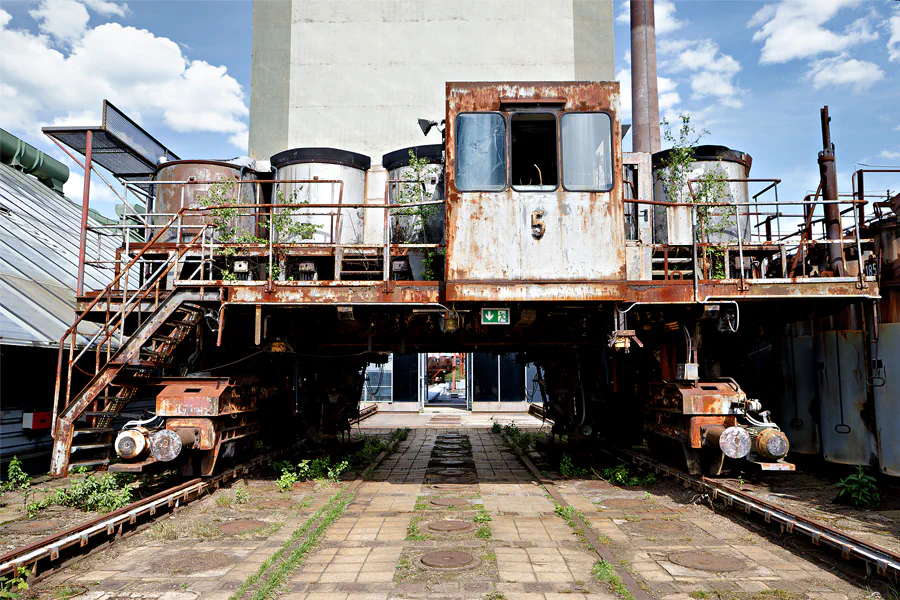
(526, 551)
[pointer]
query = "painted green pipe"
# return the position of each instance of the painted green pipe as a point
(27, 158)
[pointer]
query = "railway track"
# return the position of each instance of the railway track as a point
(85, 536)
(884, 561)
(54, 549)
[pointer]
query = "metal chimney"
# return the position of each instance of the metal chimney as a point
(644, 92)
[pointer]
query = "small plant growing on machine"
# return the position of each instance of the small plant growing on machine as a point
(415, 229)
(713, 221)
(226, 222)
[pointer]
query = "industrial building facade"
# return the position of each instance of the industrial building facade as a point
(356, 75)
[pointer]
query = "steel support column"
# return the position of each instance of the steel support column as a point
(85, 201)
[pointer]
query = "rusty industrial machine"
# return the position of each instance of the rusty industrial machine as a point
(641, 304)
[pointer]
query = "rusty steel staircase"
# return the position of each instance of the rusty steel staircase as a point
(139, 333)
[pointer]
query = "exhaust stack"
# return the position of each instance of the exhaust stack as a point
(644, 91)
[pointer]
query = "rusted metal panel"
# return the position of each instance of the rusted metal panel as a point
(204, 430)
(408, 292)
(205, 398)
(841, 387)
(706, 398)
(235, 186)
(489, 235)
(887, 400)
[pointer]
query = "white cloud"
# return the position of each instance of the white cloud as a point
(64, 20)
(105, 7)
(663, 16)
(712, 72)
(149, 78)
(893, 44)
(794, 29)
(889, 154)
(842, 70)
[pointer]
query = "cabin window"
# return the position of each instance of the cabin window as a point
(587, 152)
(480, 152)
(533, 152)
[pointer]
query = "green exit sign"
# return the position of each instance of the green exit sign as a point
(495, 316)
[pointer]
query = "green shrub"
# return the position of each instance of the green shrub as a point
(16, 478)
(10, 585)
(400, 434)
(316, 469)
(622, 475)
(242, 495)
(287, 480)
(101, 494)
(861, 489)
(496, 428)
(568, 469)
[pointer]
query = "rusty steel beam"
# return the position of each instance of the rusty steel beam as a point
(828, 176)
(644, 90)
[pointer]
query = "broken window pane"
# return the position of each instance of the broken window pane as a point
(480, 152)
(587, 152)
(534, 165)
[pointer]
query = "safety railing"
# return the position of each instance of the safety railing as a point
(274, 230)
(759, 230)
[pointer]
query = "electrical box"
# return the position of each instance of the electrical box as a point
(36, 420)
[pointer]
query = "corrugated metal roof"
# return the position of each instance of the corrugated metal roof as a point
(39, 235)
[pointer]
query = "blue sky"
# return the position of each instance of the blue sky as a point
(753, 73)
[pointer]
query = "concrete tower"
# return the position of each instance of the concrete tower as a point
(356, 74)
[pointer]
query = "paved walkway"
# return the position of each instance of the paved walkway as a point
(454, 514)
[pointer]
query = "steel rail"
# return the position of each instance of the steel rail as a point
(108, 525)
(884, 560)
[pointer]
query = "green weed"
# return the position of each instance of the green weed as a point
(101, 494)
(861, 489)
(483, 533)
(604, 572)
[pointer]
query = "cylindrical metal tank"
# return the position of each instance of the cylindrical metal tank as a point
(672, 225)
(324, 164)
(886, 377)
(412, 229)
(841, 373)
(798, 415)
(233, 184)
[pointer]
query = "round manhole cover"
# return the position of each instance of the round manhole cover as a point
(449, 446)
(654, 527)
(452, 472)
(30, 526)
(451, 436)
(450, 526)
(451, 461)
(448, 559)
(627, 504)
(456, 502)
(242, 526)
(707, 561)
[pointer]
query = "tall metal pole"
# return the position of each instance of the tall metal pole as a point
(85, 201)
(644, 90)
(828, 175)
